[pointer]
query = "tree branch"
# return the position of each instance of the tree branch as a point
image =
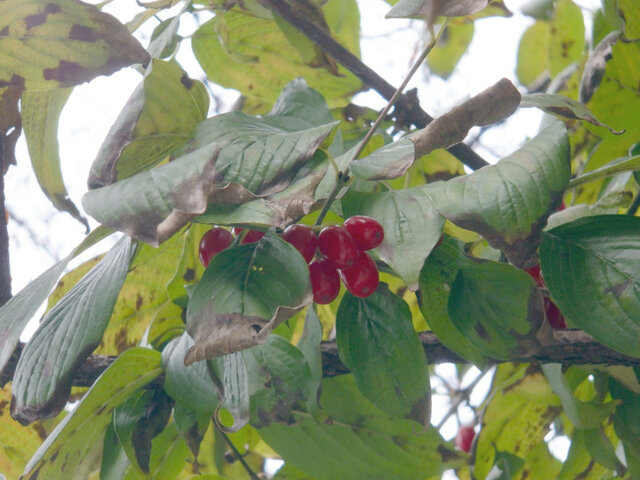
(408, 104)
(5, 272)
(571, 347)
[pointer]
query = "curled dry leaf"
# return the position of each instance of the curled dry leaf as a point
(432, 9)
(596, 64)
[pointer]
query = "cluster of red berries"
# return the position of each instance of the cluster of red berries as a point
(342, 254)
(553, 314)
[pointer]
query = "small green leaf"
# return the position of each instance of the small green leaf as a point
(592, 271)
(377, 342)
(626, 422)
(236, 390)
(356, 434)
(533, 53)
(68, 333)
(444, 57)
(563, 106)
(40, 114)
(243, 295)
(115, 463)
(190, 385)
(412, 227)
(584, 415)
(567, 37)
(61, 43)
(66, 448)
(309, 345)
(436, 277)
(508, 203)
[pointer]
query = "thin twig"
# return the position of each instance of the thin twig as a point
(462, 396)
(238, 455)
(343, 177)
(5, 270)
(329, 45)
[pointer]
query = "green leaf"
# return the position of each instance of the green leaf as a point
(252, 55)
(444, 57)
(40, 114)
(282, 374)
(309, 345)
(412, 227)
(629, 12)
(591, 268)
(584, 415)
(618, 165)
(436, 277)
(66, 448)
(143, 416)
(243, 295)
(626, 422)
(533, 56)
(517, 416)
(508, 203)
(114, 462)
(236, 390)
(377, 342)
(61, 43)
(579, 463)
(566, 43)
(159, 117)
(359, 441)
(68, 333)
(431, 9)
(497, 307)
(19, 309)
(563, 106)
(231, 159)
(190, 385)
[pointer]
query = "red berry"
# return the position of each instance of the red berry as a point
(336, 244)
(561, 207)
(361, 278)
(325, 281)
(250, 237)
(464, 438)
(303, 238)
(212, 242)
(366, 232)
(535, 273)
(554, 316)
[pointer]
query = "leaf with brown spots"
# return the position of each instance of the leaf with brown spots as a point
(508, 203)
(517, 416)
(61, 43)
(592, 270)
(232, 159)
(243, 296)
(18, 443)
(67, 448)
(159, 117)
(68, 333)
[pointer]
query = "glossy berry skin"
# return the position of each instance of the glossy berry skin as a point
(212, 242)
(361, 278)
(250, 237)
(366, 232)
(464, 438)
(336, 244)
(554, 316)
(535, 273)
(325, 282)
(303, 238)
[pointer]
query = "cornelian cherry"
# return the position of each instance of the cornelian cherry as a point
(303, 238)
(213, 242)
(250, 237)
(336, 244)
(554, 316)
(361, 278)
(535, 273)
(325, 282)
(367, 233)
(464, 438)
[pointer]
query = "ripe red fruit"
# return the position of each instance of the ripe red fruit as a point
(535, 273)
(366, 232)
(361, 278)
(464, 438)
(250, 237)
(554, 316)
(303, 238)
(325, 281)
(212, 242)
(336, 244)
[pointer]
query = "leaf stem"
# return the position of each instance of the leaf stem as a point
(343, 176)
(237, 454)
